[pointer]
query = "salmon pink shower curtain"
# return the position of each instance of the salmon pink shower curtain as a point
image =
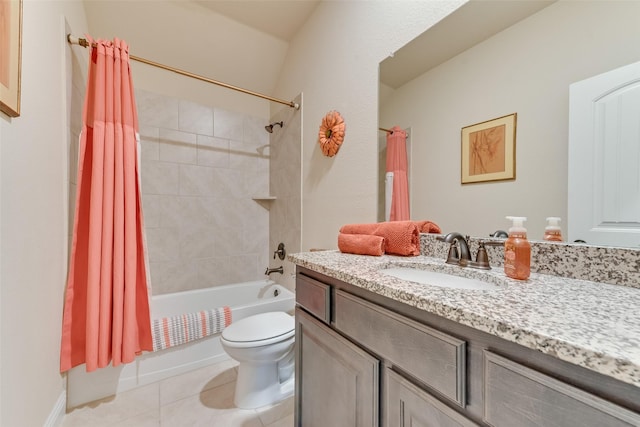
(106, 312)
(397, 163)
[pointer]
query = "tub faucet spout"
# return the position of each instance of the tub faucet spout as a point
(268, 271)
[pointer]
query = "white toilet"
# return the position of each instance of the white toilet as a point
(263, 344)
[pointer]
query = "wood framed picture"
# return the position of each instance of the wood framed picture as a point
(489, 150)
(10, 56)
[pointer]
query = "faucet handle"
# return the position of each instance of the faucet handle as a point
(499, 242)
(280, 252)
(482, 257)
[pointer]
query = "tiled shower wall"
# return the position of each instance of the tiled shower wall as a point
(201, 168)
(286, 186)
(76, 82)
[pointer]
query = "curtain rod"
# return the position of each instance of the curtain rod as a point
(85, 43)
(390, 131)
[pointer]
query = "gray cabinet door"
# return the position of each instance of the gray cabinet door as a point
(518, 396)
(337, 383)
(409, 406)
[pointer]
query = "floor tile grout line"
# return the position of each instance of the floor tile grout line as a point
(159, 415)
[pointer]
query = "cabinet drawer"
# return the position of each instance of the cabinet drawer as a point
(436, 359)
(408, 405)
(516, 395)
(314, 296)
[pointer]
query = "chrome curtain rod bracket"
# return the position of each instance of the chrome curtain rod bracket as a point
(85, 43)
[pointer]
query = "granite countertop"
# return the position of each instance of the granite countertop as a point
(590, 324)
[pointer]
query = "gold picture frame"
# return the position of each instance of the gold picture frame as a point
(489, 150)
(10, 56)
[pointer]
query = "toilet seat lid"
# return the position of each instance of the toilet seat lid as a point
(259, 327)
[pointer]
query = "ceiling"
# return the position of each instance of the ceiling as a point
(240, 42)
(279, 18)
(469, 25)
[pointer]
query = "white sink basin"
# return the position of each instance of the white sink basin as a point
(437, 279)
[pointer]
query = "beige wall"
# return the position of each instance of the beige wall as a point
(33, 195)
(525, 69)
(334, 61)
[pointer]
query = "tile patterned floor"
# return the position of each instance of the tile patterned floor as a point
(203, 397)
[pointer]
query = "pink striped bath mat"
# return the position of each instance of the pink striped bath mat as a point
(183, 328)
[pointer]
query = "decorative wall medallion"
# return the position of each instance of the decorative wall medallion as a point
(331, 133)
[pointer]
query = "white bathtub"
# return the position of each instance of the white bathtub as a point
(245, 299)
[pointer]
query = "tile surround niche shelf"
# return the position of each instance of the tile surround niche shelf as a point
(264, 201)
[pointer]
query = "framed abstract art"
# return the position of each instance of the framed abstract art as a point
(489, 150)
(10, 56)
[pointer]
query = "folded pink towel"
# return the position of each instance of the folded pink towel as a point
(428, 227)
(361, 244)
(400, 237)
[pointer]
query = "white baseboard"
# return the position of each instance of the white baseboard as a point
(56, 416)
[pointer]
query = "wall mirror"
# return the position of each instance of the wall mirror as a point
(486, 60)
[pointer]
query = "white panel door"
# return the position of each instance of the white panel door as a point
(604, 158)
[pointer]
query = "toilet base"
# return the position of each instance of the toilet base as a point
(259, 385)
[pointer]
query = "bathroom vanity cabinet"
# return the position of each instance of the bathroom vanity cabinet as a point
(367, 360)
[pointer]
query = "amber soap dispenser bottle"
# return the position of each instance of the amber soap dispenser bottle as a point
(517, 250)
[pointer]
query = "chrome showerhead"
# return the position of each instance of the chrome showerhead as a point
(269, 128)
